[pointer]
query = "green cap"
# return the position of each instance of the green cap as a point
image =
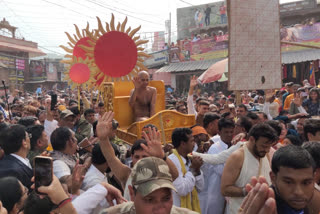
(150, 174)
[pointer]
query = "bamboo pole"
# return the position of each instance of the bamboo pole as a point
(301, 45)
(238, 97)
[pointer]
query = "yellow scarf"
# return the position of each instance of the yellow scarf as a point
(186, 200)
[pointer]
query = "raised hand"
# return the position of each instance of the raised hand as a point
(154, 146)
(137, 83)
(193, 81)
(104, 126)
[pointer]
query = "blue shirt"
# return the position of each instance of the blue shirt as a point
(38, 91)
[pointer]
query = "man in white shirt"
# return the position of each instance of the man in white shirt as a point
(96, 175)
(16, 145)
(64, 146)
(211, 198)
(97, 171)
(190, 176)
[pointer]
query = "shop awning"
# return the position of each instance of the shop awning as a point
(33, 52)
(188, 66)
(300, 56)
(287, 58)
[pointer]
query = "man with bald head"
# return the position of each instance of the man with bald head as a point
(142, 97)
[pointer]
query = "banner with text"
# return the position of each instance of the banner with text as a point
(195, 50)
(306, 34)
(37, 70)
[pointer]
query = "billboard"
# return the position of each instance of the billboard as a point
(217, 47)
(306, 34)
(203, 46)
(192, 19)
(37, 70)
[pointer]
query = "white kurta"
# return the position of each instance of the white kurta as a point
(211, 198)
(93, 177)
(250, 167)
(184, 184)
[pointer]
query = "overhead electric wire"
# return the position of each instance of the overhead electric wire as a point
(40, 46)
(113, 10)
(186, 2)
(142, 13)
(59, 5)
(103, 6)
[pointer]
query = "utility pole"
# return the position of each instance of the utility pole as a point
(169, 31)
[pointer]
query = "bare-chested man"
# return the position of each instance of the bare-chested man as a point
(142, 97)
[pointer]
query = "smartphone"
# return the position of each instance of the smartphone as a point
(85, 144)
(43, 172)
(53, 101)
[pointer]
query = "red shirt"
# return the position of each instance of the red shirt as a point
(223, 10)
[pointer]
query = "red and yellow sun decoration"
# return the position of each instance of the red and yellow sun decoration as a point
(79, 70)
(111, 53)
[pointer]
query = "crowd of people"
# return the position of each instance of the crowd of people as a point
(260, 156)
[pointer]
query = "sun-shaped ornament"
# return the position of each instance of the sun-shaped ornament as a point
(80, 70)
(79, 73)
(115, 52)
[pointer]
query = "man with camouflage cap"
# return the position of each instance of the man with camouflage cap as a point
(151, 190)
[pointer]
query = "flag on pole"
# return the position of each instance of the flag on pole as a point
(312, 75)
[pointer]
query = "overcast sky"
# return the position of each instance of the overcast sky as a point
(45, 21)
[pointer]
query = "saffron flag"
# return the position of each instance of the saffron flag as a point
(312, 76)
(294, 71)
